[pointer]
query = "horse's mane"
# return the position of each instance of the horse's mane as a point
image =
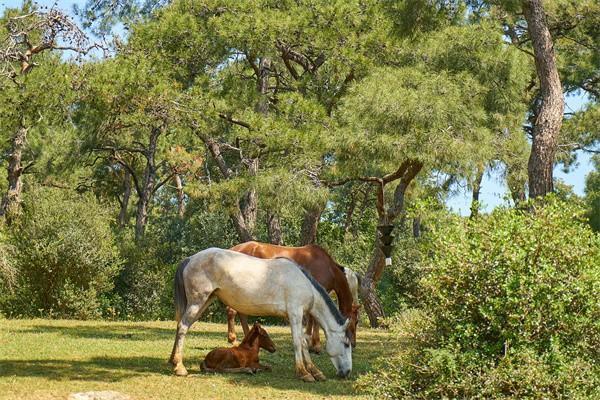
(322, 292)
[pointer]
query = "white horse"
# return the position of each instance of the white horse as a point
(353, 282)
(259, 287)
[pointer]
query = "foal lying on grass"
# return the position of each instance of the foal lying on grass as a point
(242, 358)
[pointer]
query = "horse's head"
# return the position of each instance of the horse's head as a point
(264, 340)
(353, 325)
(339, 349)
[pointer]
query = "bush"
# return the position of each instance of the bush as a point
(65, 255)
(144, 288)
(510, 310)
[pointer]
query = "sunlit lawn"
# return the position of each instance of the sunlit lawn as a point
(49, 359)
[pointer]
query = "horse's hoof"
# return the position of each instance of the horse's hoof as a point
(319, 376)
(308, 378)
(181, 371)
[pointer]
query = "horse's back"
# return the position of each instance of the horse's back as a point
(312, 257)
(250, 285)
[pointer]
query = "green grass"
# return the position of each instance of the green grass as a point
(49, 359)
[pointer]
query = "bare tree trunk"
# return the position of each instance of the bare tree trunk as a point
(476, 191)
(350, 212)
(368, 287)
(416, 227)
(249, 201)
(126, 196)
(180, 195)
(148, 185)
(264, 72)
(310, 224)
(274, 229)
(550, 114)
(12, 199)
(406, 174)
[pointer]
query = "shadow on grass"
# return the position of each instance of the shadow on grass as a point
(105, 369)
(128, 332)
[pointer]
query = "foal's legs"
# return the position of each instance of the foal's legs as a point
(191, 315)
(298, 340)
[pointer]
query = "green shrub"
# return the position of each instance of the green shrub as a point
(144, 288)
(65, 255)
(509, 310)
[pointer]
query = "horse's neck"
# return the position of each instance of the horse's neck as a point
(343, 292)
(321, 312)
(251, 341)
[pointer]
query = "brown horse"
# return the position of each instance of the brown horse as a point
(242, 358)
(325, 271)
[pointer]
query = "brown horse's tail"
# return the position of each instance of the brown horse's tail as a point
(180, 297)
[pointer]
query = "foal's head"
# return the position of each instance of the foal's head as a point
(259, 333)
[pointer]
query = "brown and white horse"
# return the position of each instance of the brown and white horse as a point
(325, 271)
(277, 287)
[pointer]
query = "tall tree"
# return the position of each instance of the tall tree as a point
(549, 115)
(436, 111)
(29, 37)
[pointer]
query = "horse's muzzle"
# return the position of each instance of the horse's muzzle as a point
(343, 374)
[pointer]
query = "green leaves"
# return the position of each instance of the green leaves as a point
(509, 309)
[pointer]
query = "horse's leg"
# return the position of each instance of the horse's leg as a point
(244, 323)
(311, 327)
(191, 315)
(264, 367)
(314, 371)
(231, 336)
(315, 340)
(298, 340)
(245, 370)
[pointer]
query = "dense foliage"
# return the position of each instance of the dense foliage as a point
(66, 261)
(509, 310)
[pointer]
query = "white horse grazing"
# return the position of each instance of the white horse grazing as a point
(353, 283)
(253, 286)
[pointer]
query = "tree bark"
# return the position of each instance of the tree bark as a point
(180, 195)
(148, 185)
(416, 225)
(350, 212)
(249, 201)
(549, 118)
(12, 199)
(476, 191)
(244, 232)
(126, 196)
(310, 225)
(274, 229)
(264, 72)
(406, 173)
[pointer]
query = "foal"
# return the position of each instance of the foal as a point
(243, 358)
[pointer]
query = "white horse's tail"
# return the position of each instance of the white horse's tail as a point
(180, 297)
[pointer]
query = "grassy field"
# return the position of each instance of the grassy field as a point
(49, 359)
